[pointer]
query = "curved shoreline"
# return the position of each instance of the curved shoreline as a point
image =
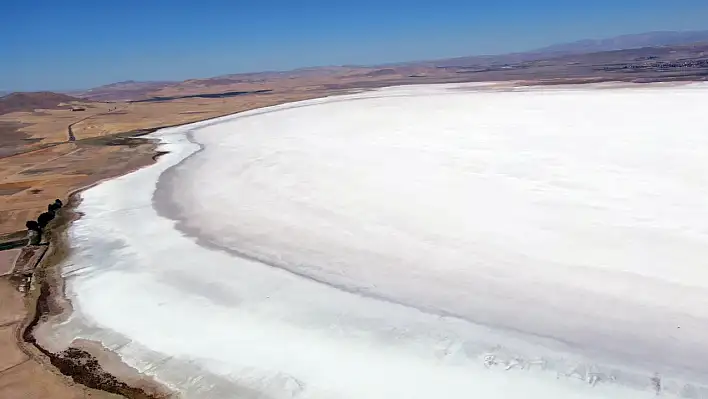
(82, 362)
(171, 168)
(161, 203)
(51, 304)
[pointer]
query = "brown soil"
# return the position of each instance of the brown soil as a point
(7, 259)
(13, 139)
(12, 188)
(21, 375)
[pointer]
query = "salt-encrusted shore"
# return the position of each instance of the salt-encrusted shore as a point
(164, 357)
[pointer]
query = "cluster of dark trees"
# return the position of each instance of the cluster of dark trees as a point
(36, 227)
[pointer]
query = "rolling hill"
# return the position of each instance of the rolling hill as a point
(29, 101)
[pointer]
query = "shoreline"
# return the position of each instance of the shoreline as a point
(51, 303)
(88, 362)
(84, 362)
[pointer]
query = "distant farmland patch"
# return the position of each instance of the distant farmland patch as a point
(206, 95)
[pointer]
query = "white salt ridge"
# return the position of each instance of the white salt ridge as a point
(557, 228)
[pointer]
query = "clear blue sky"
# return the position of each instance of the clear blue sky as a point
(74, 44)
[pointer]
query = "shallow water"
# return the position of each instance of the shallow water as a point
(416, 241)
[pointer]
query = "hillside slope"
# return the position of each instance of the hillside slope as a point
(122, 91)
(29, 101)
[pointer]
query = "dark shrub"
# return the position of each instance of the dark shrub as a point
(44, 219)
(32, 225)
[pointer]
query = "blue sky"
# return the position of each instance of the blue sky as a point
(74, 44)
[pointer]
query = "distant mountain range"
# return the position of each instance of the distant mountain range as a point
(648, 39)
(587, 46)
(132, 90)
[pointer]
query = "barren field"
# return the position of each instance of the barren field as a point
(21, 376)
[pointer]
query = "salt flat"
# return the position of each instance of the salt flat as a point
(418, 241)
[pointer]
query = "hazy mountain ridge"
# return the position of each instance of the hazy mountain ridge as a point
(623, 42)
(624, 48)
(586, 46)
